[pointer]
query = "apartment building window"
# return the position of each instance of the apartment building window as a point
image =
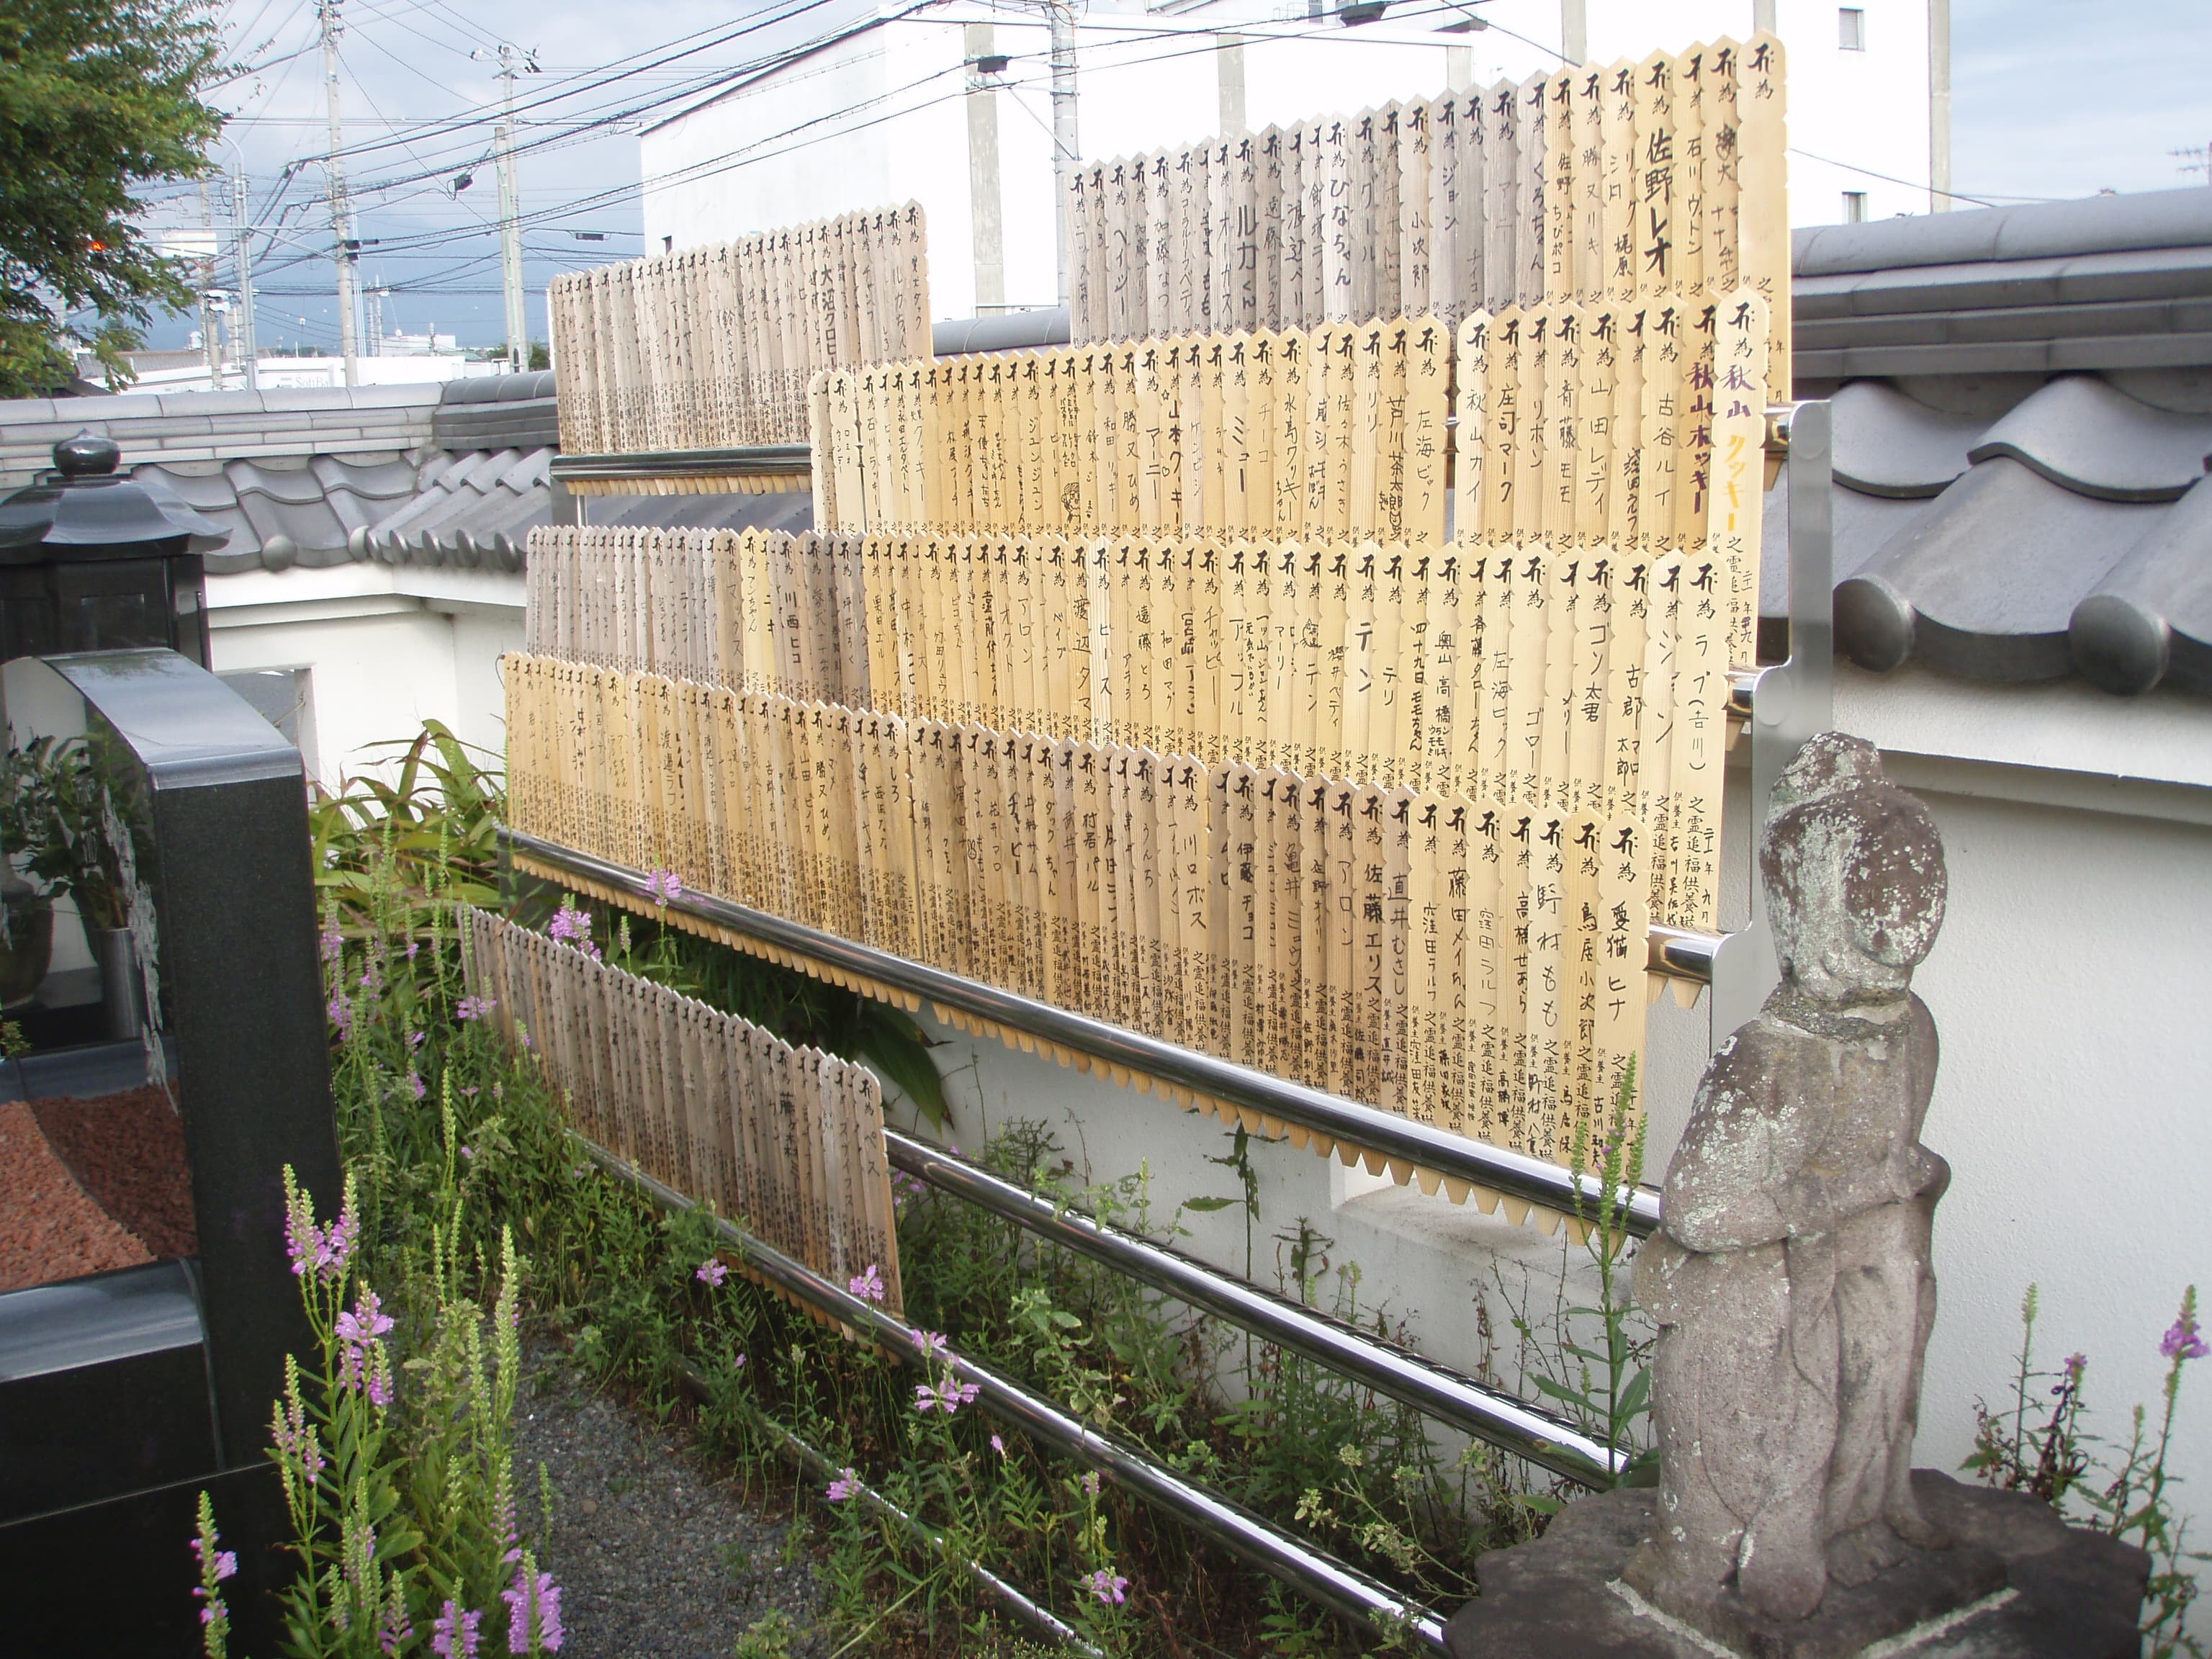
(1854, 207)
(1851, 28)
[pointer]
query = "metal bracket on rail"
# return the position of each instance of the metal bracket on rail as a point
(1789, 702)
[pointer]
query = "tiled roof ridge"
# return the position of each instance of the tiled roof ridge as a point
(2032, 230)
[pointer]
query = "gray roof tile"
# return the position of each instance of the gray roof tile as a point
(1983, 583)
(291, 483)
(2093, 225)
(2150, 617)
(1889, 444)
(2089, 436)
(2023, 409)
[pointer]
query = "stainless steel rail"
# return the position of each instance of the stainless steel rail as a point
(1320, 1576)
(750, 460)
(1031, 1613)
(1488, 1414)
(1514, 1174)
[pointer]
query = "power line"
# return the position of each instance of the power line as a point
(770, 146)
(746, 156)
(477, 114)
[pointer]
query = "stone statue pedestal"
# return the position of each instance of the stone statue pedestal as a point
(2017, 1583)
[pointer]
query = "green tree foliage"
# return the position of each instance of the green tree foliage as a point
(97, 97)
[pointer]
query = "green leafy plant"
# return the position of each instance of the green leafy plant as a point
(2126, 1492)
(95, 101)
(2010, 1450)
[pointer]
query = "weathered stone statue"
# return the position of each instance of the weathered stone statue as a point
(1790, 1278)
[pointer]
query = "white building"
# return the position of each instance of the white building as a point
(912, 101)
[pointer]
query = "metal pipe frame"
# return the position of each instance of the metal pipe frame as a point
(1335, 1584)
(1516, 1174)
(751, 460)
(1029, 1612)
(1488, 1414)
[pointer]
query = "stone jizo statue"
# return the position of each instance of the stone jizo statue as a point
(1791, 1278)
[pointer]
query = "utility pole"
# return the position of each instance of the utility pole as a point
(510, 222)
(1065, 152)
(209, 345)
(341, 216)
(1939, 107)
(249, 350)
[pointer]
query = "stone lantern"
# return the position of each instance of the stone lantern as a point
(96, 560)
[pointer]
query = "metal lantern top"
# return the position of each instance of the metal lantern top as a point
(82, 510)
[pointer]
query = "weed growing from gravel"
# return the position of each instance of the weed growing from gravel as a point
(768, 1637)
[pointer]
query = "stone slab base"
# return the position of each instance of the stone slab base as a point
(2019, 1584)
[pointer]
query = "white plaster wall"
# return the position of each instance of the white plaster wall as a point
(1424, 1260)
(2072, 988)
(380, 662)
(375, 677)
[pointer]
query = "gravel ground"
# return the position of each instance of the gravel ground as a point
(50, 1229)
(654, 1560)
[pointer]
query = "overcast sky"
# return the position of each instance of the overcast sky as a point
(2052, 98)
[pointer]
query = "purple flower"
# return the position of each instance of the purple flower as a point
(1107, 1585)
(225, 1561)
(366, 1321)
(413, 946)
(2182, 1340)
(399, 1629)
(475, 1008)
(846, 1486)
(932, 1343)
(868, 1285)
(532, 1604)
(215, 1566)
(360, 1364)
(454, 1635)
(998, 1445)
(712, 1271)
(468, 1151)
(326, 1250)
(1090, 1482)
(416, 1086)
(570, 926)
(296, 1441)
(662, 887)
(333, 943)
(341, 1013)
(415, 1039)
(948, 1396)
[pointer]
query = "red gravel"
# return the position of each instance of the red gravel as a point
(127, 1151)
(49, 1229)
